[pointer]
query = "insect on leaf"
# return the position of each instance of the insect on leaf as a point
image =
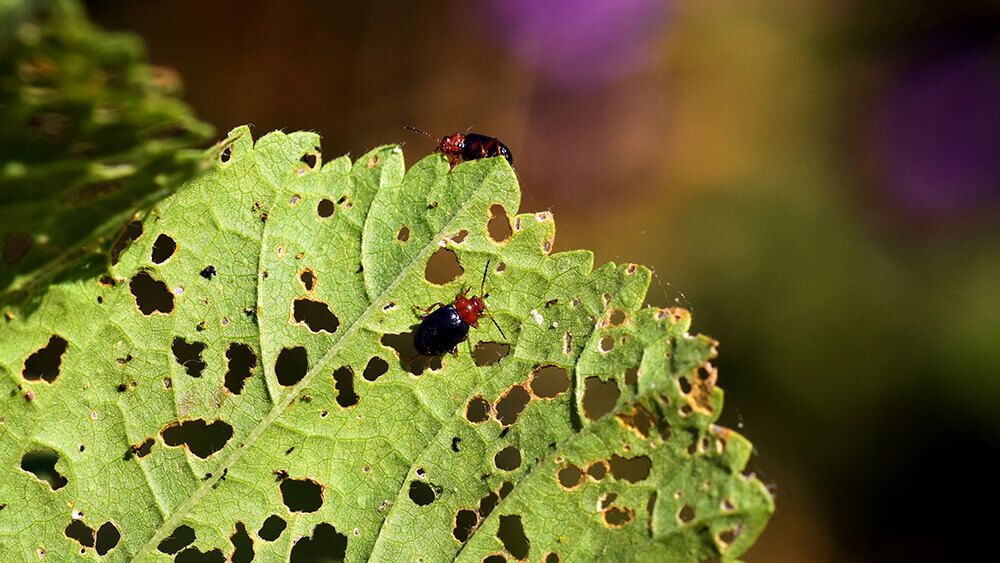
(244, 383)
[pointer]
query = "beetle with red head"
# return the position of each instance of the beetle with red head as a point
(469, 146)
(443, 330)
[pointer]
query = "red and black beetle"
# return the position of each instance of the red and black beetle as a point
(469, 146)
(442, 330)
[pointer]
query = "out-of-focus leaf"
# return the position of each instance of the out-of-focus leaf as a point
(245, 381)
(90, 133)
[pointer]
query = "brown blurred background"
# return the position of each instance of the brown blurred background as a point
(818, 180)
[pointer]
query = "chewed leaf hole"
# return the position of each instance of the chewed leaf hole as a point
(242, 545)
(130, 233)
(44, 362)
(143, 449)
(511, 534)
(727, 537)
(201, 438)
(291, 365)
(507, 459)
(498, 227)
(108, 537)
(443, 267)
(226, 155)
(42, 464)
(188, 355)
(180, 538)
(632, 470)
(325, 544)
(599, 397)
(569, 477)
(272, 527)
(487, 504)
(465, 522)
(309, 159)
(686, 514)
(552, 557)
(606, 500)
(510, 405)
(316, 315)
(163, 248)
(403, 234)
(478, 410)
(606, 344)
(344, 381)
(409, 359)
(151, 295)
(421, 493)
(376, 368)
(240, 362)
(616, 517)
(302, 495)
(458, 237)
(325, 208)
(80, 532)
(489, 353)
(549, 381)
(597, 470)
(308, 279)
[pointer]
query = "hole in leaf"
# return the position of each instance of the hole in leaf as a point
(240, 361)
(271, 529)
(616, 517)
(727, 537)
(552, 557)
(631, 376)
(180, 538)
(498, 226)
(316, 315)
(606, 344)
(188, 355)
(375, 369)
(505, 488)
(108, 537)
(606, 501)
(195, 555)
(404, 234)
(569, 477)
(478, 410)
(465, 523)
(597, 470)
(494, 559)
(291, 365)
(409, 359)
(201, 438)
(80, 532)
(143, 449)
(325, 544)
(632, 470)
(344, 382)
(42, 464)
(163, 248)
(507, 459)
(686, 514)
(639, 420)
(15, 246)
(242, 545)
(684, 384)
(599, 397)
(511, 534)
(309, 159)
(130, 233)
(549, 381)
(487, 504)
(308, 279)
(458, 237)
(44, 362)
(489, 353)
(151, 295)
(443, 267)
(207, 272)
(226, 155)
(617, 317)
(302, 495)
(421, 493)
(325, 208)
(509, 406)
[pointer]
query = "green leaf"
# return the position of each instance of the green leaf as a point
(245, 377)
(90, 133)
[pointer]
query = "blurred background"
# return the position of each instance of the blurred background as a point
(817, 180)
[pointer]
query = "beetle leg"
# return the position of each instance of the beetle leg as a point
(428, 310)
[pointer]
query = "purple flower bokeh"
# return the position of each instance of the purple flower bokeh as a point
(578, 42)
(936, 134)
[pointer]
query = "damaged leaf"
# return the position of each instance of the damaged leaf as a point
(281, 410)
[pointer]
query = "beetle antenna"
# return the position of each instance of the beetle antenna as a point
(496, 325)
(483, 284)
(421, 132)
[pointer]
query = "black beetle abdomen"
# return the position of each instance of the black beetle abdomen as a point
(440, 332)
